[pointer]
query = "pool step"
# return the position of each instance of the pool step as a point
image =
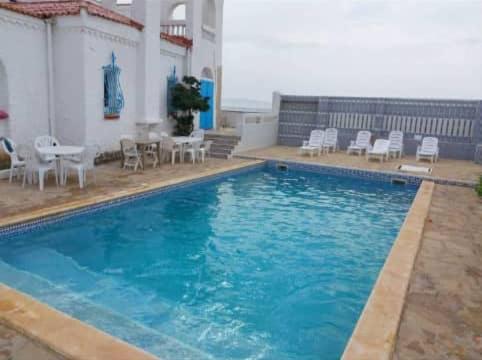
(79, 307)
(159, 314)
(223, 145)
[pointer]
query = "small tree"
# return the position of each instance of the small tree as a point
(187, 101)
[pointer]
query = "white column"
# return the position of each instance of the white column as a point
(148, 12)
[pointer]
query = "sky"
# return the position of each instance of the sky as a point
(404, 48)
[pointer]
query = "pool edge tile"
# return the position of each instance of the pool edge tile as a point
(375, 333)
(11, 223)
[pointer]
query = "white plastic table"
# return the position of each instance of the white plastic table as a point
(60, 152)
(183, 141)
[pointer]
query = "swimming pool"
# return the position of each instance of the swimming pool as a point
(260, 265)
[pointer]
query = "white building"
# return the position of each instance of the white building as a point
(52, 56)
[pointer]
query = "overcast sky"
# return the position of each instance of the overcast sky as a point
(408, 48)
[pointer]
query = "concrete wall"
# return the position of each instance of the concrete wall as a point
(24, 58)
(457, 123)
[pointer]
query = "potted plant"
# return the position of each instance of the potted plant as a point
(186, 101)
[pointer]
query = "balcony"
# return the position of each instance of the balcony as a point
(176, 33)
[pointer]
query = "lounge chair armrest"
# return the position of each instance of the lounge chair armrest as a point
(305, 143)
(352, 142)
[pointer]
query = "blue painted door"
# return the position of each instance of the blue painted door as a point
(207, 90)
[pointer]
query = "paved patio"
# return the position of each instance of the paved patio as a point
(111, 179)
(445, 168)
(443, 311)
(14, 346)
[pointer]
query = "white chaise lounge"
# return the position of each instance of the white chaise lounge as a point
(361, 144)
(428, 150)
(331, 140)
(380, 150)
(314, 145)
(396, 144)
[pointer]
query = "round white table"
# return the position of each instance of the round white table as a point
(183, 141)
(60, 152)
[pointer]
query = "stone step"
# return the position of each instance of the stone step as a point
(220, 155)
(218, 136)
(221, 148)
(223, 145)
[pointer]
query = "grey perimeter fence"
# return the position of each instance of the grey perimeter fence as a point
(456, 123)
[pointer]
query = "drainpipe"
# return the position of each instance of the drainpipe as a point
(50, 78)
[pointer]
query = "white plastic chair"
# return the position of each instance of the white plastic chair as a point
(428, 150)
(9, 147)
(380, 150)
(205, 149)
(193, 150)
(132, 158)
(151, 150)
(361, 144)
(331, 140)
(169, 146)
(396, 143)
(199, 133)
(87, 163)
(35, 168)
(44, 141)
(314, 145)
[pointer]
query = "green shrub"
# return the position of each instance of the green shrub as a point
(479, 187)
(186, 101)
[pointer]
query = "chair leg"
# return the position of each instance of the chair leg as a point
(80, 175)
(24, 178)
(11, 174)
(41, 178)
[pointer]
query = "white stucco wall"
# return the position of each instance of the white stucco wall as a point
(68, 73)
(81, 46)
(23, 54)
(4, 101)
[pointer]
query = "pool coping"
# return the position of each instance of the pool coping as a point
(375, 333)
(413, 178)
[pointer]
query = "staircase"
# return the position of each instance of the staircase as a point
(223, 145)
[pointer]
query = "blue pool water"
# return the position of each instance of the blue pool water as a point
(262, 265)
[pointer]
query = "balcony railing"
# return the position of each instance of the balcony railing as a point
(174, 29)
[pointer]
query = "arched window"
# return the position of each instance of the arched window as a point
(209, 13)
(178, 13)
